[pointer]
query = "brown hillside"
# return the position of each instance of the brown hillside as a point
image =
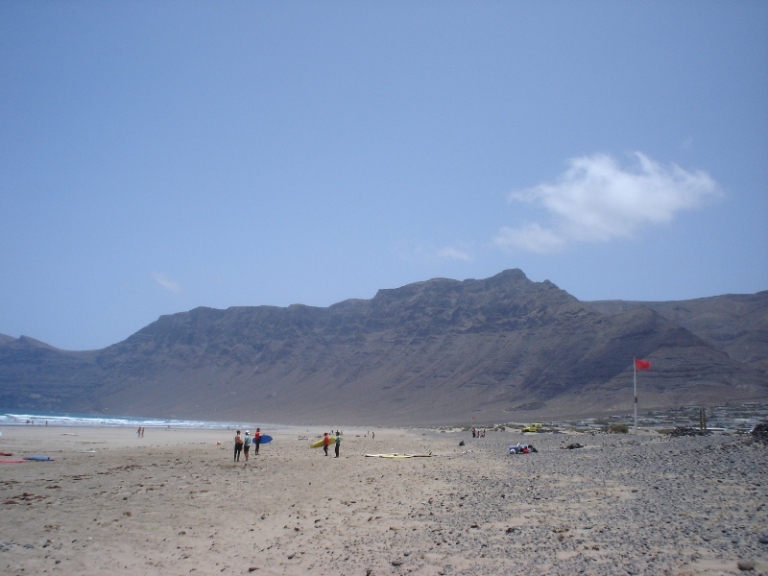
(439, 351)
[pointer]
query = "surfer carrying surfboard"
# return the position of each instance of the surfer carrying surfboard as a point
(326, 441)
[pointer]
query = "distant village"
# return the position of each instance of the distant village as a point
(730, 418)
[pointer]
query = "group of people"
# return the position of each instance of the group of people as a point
(478, 433)
(327, 441)
(139, 432)
(243, 444)
(522, 449)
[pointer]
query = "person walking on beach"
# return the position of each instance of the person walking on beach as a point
(338, 443)
(246, 444)
(238, 446)
(257, 439)
(326, 441)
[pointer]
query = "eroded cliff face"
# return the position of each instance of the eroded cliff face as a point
(734, 323)
(429, 352)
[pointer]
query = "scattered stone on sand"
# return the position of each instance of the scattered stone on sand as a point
(760, 432)
(628, 504)
(688, 431)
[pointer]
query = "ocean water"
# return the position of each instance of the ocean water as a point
(51, 419)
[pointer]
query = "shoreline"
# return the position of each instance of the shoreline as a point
(730, 418)
(67, 439)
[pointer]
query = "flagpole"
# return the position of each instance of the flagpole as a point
(634, 368)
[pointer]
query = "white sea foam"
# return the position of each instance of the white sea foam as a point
(50, 419)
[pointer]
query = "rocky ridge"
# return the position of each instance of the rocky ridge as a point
(437, 351)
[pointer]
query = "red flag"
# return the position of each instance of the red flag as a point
(642, 364)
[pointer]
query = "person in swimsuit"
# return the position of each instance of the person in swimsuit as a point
(238, 446)
(338, 443)
(246, 444)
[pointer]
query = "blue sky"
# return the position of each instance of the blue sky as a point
(158, 156)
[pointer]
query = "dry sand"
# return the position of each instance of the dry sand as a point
(174, 503)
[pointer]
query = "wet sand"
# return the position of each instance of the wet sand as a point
(174, 503)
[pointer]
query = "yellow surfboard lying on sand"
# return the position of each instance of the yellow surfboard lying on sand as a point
(395, 455)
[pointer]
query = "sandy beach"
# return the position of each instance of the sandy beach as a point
(174, 503)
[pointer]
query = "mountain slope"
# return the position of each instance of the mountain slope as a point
(734, 323)
(429, 352)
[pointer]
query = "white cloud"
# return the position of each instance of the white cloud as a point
(416, 252)
(166, 282)
(531, 237)
(596, 200)
(451, 253)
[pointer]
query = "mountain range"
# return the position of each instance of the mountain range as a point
(440, 351)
